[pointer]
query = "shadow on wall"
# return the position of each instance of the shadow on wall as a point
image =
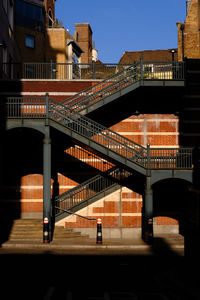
(172, 199)
(22, 155)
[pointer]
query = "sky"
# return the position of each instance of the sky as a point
(125, 25)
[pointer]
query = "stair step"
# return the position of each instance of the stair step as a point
(31, 231)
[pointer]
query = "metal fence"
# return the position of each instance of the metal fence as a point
(58, 71)
(145, 157)
(69, 71)
(123, 78)
(168, 158)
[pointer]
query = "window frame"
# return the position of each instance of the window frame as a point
(31, 38)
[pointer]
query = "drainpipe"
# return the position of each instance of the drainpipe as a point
(183, 41)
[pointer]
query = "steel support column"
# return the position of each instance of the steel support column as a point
(147, 215)
(47, 186)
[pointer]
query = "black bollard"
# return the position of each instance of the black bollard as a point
(46, 238)
(99, 231)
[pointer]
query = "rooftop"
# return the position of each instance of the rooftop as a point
(148, 55)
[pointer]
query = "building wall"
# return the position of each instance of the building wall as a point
(8, 48)
(191, 35)
(121, 209)
(56, 45)
(83, 35)
(30, 54)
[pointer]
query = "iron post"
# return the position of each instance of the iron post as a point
(47, 186)
(93, 69)
(141, 69)
(147, 222)
(47, 107)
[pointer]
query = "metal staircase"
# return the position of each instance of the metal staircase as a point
(88, 192)
(96, 137)
(124, 81)
(151, 164)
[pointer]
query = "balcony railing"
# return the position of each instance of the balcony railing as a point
(151, 70)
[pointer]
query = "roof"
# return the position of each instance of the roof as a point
(148, 55)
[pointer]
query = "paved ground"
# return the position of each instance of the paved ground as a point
(116, 270)
(173, 244)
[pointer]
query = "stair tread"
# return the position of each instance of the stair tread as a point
(31, 231)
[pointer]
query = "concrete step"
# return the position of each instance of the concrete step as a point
(31, 231)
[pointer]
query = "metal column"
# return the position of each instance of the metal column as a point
(147, 216)
(47, 186)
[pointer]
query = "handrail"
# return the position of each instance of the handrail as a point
(97, 89)
(137, 72)
(96, 132)
(89, 188)
(47, 108)
(59, 71)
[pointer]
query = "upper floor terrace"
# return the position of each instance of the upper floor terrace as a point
(144, 70)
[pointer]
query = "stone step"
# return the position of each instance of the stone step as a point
(30, 230)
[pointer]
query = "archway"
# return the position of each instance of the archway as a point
(171, 205)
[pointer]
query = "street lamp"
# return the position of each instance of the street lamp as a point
(173, 51)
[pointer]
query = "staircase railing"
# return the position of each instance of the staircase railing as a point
(88, 189)
(147, 158)
(98, 133)
(103, 89)
(129, 75)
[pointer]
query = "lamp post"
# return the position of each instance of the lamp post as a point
(173, 51)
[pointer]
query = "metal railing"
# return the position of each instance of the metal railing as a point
(103, 89)
(151, 70)
(125, 77)
(168, 158)
(59, 71)
(88, 189)
(48, 108)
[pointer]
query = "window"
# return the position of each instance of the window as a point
(30, 41)
(28, 15)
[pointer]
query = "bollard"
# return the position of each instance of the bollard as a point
(46, 231)
(99, 231)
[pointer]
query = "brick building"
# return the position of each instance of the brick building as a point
(9, 51)
(129, 57)
(72, 164)
(188, 32)
(36, 25)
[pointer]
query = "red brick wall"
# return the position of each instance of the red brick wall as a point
(122, 208)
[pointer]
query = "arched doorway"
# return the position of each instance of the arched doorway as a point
(171, 205)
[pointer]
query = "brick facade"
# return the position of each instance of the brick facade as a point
(83, 35)
(188, 33)
(121, 209)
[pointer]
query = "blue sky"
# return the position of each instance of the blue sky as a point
(128, 25)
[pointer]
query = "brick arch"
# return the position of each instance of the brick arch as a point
(171, 201)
